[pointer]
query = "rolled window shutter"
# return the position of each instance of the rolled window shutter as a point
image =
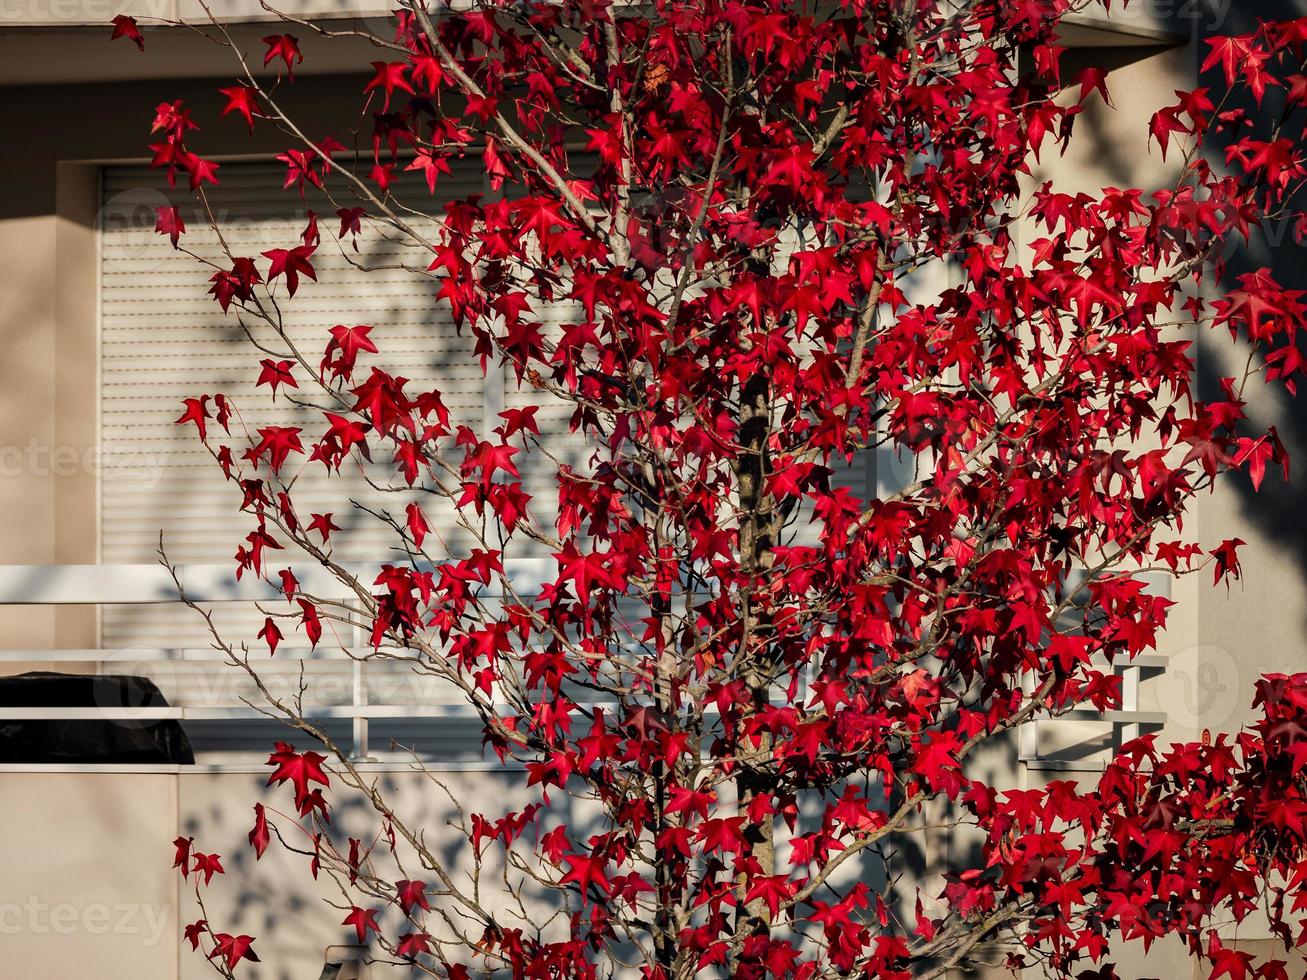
(163, 339)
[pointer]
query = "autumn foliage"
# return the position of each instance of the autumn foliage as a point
(759, 681)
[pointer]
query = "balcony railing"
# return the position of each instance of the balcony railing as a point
(1138, 23)
(207, 584)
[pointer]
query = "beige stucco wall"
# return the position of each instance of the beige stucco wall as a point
(83, 891)
(86, 887)
(76, 849)
(1219, 641)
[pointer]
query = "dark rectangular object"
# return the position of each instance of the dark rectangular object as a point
(97, 741)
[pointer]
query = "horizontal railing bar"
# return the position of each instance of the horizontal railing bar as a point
(141, 655)
(1041, 764)
(326, 712)
(447, 710)
(216, 582)
(148, 584)
(1113, 717)
(1145, 661)
(1158, 582)
(132, 655)
(387, 762)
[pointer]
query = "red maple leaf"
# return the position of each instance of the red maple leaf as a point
(276, 373)
(235, 284)
(311, 621)
(413, 944)
(259, 836)
(302, 167)
(389, 76)
(124, 26)
(195, 931)
(341, 354)
(519, 420)
(313, 802)
(774, 890)
(432, 167)
(270, 634)
(297, 768)
(197, 411)
(201, 171)
(240, 99)
(233, 949)
(417, 525)
(409, 458)
(278, 442)
(182, 859)
(351, 223)
(207, 865)
(168, 221)
(1091, 79)
(937, 761)
(586, 870)
(1237, 964)
(586, 571)
(291, 263)
(487, 458)
(383, 175)
(1227, 559)
(283, 46)
(323, 524)
(363, 921)
(343, 436)
(411, 895)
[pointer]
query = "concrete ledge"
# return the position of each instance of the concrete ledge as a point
(1139, 25)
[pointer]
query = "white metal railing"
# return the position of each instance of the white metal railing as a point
(1138, 23)
(145, 584)
(215, 583)
(207, 584)
(1127, 723)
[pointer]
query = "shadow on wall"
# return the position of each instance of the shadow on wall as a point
(1092, 136)
(297, 919)
(1275, 511)
(1269, 519)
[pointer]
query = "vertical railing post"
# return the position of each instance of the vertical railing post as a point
(1129, 702)
(1028, 734)
(359, 698)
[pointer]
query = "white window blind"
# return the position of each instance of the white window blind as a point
(163, 339)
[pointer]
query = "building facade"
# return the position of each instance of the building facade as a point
(104, 329)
